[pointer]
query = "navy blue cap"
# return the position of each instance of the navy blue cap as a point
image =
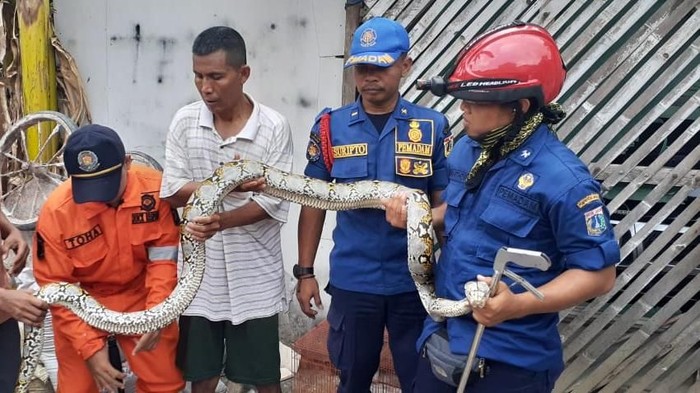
(379, 42)
(94, 156)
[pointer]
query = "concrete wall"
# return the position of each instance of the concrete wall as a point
(135, 60)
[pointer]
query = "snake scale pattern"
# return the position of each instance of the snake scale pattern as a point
(294, 188)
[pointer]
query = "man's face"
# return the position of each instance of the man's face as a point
(380, 85)
(219, 84)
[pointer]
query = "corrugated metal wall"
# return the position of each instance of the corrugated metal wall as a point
(633, 103)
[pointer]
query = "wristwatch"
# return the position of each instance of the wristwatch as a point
(299, 271)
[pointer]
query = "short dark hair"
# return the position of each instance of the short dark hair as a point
(219, 38)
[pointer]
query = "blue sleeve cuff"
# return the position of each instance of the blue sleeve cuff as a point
(606, 254)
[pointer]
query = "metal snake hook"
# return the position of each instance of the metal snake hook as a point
(524, 258)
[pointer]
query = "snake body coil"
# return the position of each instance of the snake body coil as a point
(204, 202)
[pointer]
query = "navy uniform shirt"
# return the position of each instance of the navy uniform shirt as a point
(370, 255)
(540, 197)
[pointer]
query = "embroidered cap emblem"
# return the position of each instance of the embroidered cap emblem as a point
(526, 181)
(368, 38)
(88, 161)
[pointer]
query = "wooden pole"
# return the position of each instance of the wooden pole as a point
(353, 18)
(38, 72)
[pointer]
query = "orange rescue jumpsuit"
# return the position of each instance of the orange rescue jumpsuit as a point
(126, 258)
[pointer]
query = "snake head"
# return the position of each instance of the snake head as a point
(477, 292)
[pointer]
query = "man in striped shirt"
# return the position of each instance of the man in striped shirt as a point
(234, 315)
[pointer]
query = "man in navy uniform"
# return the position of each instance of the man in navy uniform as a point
(380, 136)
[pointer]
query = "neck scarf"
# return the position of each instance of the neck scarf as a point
(496, 145)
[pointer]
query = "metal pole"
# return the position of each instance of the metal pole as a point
(525, 258)
(477, 338)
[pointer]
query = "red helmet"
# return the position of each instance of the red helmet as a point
(509, 63)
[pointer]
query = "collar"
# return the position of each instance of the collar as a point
(249, 130)
(527, 152)
(133, 194)
(92, 209)
(401, 111)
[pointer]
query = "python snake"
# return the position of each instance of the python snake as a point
(204, 202)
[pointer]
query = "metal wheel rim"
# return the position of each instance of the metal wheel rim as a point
(24, 181)
(145, 159)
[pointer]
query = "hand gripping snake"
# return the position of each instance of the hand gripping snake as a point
(204, 202)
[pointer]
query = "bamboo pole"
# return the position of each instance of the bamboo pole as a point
(38, 72)
(353, 18)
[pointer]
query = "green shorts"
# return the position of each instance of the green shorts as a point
(248, 353)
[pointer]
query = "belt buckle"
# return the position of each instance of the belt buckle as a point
(480, 367)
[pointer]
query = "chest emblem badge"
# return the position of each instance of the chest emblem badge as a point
(404, 165)
(414, 132)
(526, 181)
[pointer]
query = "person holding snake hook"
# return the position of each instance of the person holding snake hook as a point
(511, 183)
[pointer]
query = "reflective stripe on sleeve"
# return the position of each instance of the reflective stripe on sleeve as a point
(161, 253)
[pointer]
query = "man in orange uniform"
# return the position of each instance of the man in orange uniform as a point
(108, 230)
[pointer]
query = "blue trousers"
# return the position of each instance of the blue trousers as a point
(356, 336)
(10, 358)
(499, 377)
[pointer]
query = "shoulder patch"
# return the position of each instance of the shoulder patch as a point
(588, 199)
(313, 150)
(596, 224)
(449, 143)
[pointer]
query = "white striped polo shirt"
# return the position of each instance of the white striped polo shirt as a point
(244, 275)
